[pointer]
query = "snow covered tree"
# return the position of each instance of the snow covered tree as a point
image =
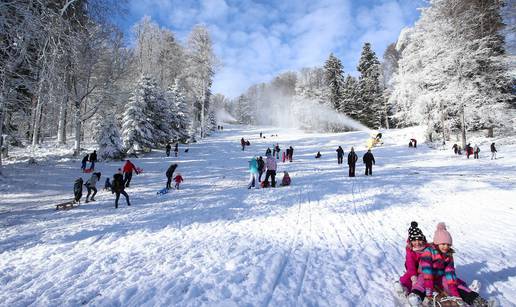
(108, 139)
(244, 110)
(333, 72)
(137, 129)
(370, 96)
(181, 108)
(350, 96)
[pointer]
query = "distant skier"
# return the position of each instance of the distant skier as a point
(168, 148)
(93, 159)
(169, 173)
(340, 155)
(368, 160)
(352, 160)
(416, 243)
(178, 179)
(85, 160)
(476, 151)
(91, 185)
(128, 169)
(253, 173)
(437, 269)
(119, 188)
(318, 155)
(493, 151)
(271, 170)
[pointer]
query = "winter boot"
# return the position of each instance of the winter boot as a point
(475, 286)
(92, 199)
(86, 201)
(414, 300)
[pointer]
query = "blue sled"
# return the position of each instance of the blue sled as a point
(162, 191)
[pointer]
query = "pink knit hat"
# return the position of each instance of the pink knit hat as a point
(441, 235)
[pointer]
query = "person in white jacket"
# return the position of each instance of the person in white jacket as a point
(91, 185)
(271, 170)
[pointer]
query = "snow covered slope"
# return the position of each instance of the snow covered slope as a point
(327, 240)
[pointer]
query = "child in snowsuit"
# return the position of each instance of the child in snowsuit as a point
(437, 270)
(178, 179)
(416, 243)
(107, 185)
(91, 185)
(286, 179)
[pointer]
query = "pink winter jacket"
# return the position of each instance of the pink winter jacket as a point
(411, 262)
(271, 163)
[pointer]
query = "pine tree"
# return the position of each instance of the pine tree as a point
(137, 130)
(108, 139)
(349, 98)
(333, 72)
(183, 119)
(370, 96)
(244, 111)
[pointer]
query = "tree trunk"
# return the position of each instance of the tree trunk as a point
(443, 127)
(78, 122)
(1, 126)
(490, 132)
(37, 122)
(61, 129)
(463, 127)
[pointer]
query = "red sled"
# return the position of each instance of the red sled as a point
(88, 170)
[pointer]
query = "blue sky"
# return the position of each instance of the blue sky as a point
(256, 40)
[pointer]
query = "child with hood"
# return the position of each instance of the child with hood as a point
(178, 179)
(286, 179)
(437, 270)
(416, 243)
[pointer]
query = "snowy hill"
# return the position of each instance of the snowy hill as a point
(327, 240)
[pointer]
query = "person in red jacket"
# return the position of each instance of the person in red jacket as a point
(128, 169)
(178, 179)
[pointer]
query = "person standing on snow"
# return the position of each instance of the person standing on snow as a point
(93, 159)
(476, 150)
(493, 151)
(167, 149)
(271, 170)
(352, 160)
(340, 155)
(178, 179)
(253, 173)
(128, 171)
(277, 149)
(84, 161)
(91, 185)
(261, 168)
(368, 161)
(291, 153)
(176, 149)
(118, 187)
(169, 173)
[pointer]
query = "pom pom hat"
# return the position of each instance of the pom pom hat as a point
(414, 233)
(441, 235)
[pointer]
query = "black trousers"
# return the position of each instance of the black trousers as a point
(272, 174)
(339, 159)
(127, 179)
(89, 192)
(369, 169)
(169, 181)
(118, 197)
(260, 173)
(352, 170)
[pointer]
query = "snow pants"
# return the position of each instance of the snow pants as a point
(352, 170)
(466, 294)
(127, 179)
(339, 159)
(118, 197)
(89, 192)
(493, 155)
(272, 174)
(369, 169)
(252, 180)
(260, 173)
(169, 181)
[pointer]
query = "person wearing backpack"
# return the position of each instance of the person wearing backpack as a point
(118, 188)
(91, 185)
(169, 174)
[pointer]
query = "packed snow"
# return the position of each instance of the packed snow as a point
(326, 240)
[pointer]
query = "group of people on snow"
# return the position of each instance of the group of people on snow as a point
(168, 148)
(367, 159)
(92, 158)
(473, 150)
(430, 266)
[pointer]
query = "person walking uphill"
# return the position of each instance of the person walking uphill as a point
(368, 161)
(128, 171)
(271, 170)
(170, 172)
(352, 160)
(91, 185)
(118, 187)
(340, 155)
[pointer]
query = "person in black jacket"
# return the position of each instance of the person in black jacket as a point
(118, 188)
(340, 155)
(368, 161)
(291, 153)
(167, 149)
(352, 160)
(93, 159)
(84, 161)
(176, 149)
(493, 151)
(261, 168)
(170, 173)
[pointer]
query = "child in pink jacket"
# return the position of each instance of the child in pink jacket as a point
(416, 243)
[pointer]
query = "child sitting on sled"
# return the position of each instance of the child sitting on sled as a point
(437, 271)
(416, 243)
